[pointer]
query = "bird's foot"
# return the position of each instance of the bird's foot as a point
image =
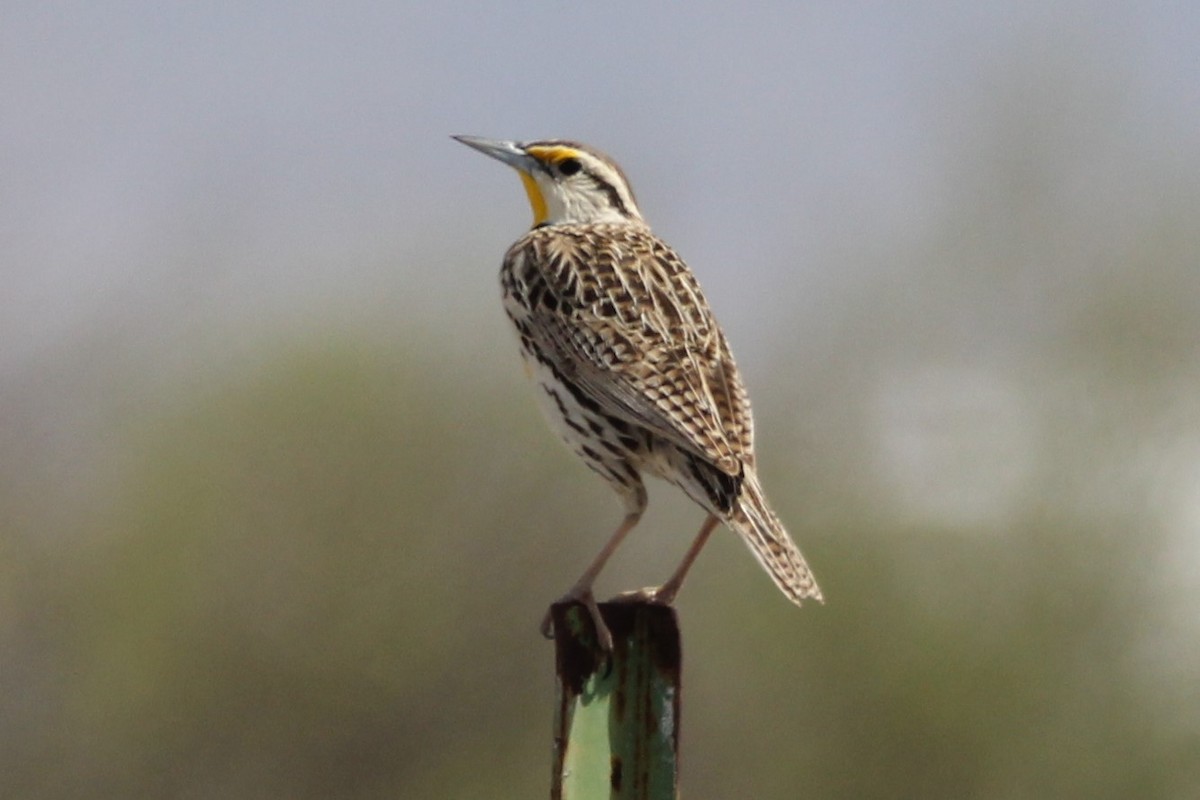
(657, 595)
(581, 594)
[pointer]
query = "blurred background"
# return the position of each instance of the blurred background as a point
(278, 517)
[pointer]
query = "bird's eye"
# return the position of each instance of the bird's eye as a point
(569, 166)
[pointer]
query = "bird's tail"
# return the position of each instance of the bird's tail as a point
(764, 534)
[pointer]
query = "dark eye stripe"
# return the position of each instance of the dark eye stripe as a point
(610, 191)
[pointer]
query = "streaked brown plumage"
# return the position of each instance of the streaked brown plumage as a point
(635, 374)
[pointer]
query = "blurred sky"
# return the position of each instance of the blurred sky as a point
(164, 164)
(180, 179)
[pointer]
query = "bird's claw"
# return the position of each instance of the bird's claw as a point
(585, 597)
(655, 595)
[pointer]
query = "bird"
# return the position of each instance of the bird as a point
(633, 371)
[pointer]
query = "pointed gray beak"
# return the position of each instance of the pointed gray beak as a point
(508, 152)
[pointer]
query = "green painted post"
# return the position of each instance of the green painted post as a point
(616, 726)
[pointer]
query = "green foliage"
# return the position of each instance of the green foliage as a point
(322, 579)
(305, 589)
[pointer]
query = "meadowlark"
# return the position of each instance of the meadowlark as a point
(634, 372)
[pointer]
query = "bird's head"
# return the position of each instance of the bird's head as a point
(567, 182)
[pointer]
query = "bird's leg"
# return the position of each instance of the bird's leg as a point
(582, 590)
(665, 594)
